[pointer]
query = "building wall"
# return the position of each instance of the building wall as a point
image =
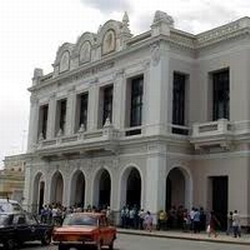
(209, 149)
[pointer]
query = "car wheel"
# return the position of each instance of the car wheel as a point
(46, 239)
(62, 247)
(99, 245)
(111, 245)
(10, 244)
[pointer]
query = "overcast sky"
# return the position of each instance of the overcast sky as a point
(32, 31)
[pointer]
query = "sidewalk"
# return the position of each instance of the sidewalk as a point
(222, 237)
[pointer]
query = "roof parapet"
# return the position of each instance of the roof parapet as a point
(161, 24)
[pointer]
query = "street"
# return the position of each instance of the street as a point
(131, 242)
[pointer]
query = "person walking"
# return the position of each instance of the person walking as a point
(213, 223)
(148, 220)
(236, 224)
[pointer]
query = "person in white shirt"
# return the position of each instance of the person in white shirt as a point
(236, 224)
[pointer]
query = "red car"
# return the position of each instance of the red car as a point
(81, 229)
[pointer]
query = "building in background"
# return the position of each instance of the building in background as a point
(154, 120)
(12, 178)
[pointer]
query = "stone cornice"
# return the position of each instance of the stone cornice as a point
(176, 37)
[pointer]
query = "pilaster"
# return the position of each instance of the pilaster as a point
(51, 117)
(26, 191)
(71, 111)
(119, 100)
(157, 89)
(155, 184)
(33, 123)
(93, 107)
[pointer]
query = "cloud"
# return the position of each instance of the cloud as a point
(142, 22)
(209, 15)
(108, 6)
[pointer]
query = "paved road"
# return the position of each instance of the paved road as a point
(131, 242)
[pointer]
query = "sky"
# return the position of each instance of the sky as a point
(32, 30)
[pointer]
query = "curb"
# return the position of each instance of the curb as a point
(212, 240)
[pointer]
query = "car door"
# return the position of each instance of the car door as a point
(104, 230)
(33, 226)
(21, 227)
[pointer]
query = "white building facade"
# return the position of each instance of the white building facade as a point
(158, 119)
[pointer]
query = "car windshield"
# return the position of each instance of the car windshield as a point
(80, 220)
(4, 219)
(10, 207)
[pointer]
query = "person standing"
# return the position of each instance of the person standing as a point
(236, 224)
(141, 218)
(196, 221)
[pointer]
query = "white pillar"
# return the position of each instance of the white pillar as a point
(71, 112)
(51, 117)
(157, 89)
(155, 184)
(93, 104)
(88, 190)
(27, 201)
(33, 123)
(66, 187)
(119, 100)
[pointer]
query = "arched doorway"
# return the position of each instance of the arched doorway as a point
(178, 189)
(102, 189)
(131, 187)
(38, 193)
(41, 195)
(77, 196)
(57, 188)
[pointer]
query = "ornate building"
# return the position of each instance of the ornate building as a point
(156, 120)
(12, 178)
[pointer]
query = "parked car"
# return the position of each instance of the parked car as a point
(19, 227)
(79, 229)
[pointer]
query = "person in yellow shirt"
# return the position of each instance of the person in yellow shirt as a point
(162, 219)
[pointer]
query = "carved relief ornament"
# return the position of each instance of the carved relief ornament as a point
(155, 53)
(109, 42)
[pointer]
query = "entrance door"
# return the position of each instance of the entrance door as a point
(220, 199)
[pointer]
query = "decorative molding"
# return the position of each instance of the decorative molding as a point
(109, 42)
(33, 100)
(155, 54)
(64, 62)
(85, 53)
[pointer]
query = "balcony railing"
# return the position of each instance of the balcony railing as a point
(212, 134)
(220, 133)
(222, 126)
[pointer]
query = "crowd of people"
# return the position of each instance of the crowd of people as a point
(195, 220)
(55, 213)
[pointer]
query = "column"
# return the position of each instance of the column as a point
(157, 89)
(27, 201)
(66, 187)
(93, 104)
(155, 185)
(70, 113)
(88, 190)
(51, 117)
(119, 100)
(33, 123)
